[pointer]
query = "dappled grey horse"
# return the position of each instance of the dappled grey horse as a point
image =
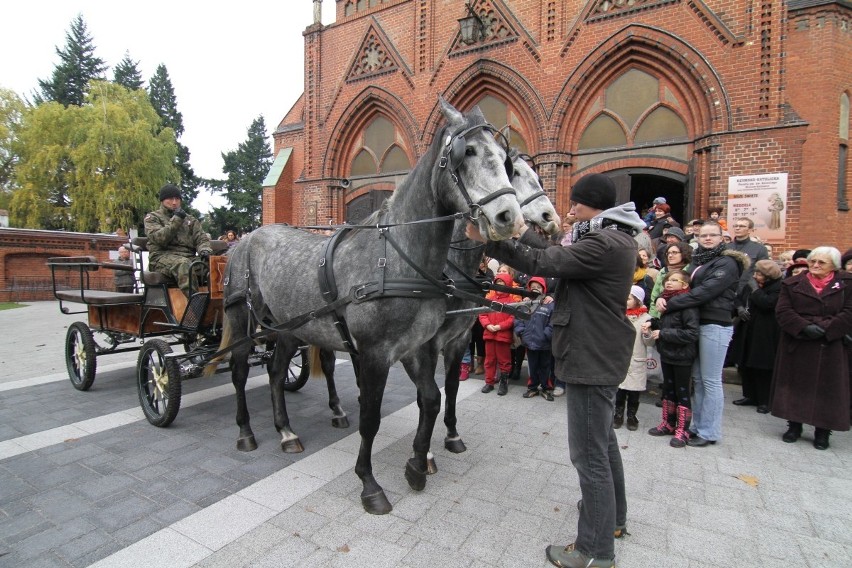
(453, 337)
(375, 292)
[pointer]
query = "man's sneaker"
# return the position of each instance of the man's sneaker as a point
(548, 396)
(558, 391)
(531, 393)
(487, 388)
(570, 557)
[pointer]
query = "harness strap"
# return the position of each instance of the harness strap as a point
(532, 198)
(328, 289)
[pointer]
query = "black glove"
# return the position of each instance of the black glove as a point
(813, 331)
(743, 313)
(180, 213)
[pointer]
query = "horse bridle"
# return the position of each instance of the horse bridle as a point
(453, 155)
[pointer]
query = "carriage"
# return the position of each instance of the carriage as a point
(152, 319)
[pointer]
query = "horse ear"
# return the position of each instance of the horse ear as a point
(477, 112)
(453, 116)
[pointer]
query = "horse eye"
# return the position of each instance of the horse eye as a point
(469, 151)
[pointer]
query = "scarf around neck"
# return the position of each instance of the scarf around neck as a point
(819, 284)
(583, 228)
(704, 255)
(669, 294)
(636, 312)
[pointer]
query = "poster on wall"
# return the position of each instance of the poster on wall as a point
(763, 199)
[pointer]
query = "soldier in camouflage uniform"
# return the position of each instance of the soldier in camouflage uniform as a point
(174, 238)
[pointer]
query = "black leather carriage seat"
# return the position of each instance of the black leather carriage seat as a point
(99, 297)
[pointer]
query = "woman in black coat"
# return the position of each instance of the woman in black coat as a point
(811, 380)
(760, 333)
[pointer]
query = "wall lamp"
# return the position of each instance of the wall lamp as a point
(472, 26)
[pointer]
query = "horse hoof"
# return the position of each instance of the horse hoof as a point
(247, 444)
(431, 465)
(376, 504)
(293, 446)
(455, 445)
(416, 478)
(340, 422)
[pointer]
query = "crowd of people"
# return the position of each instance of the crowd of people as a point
(701, 299)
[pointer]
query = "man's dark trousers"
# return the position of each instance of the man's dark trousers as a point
(594, 452)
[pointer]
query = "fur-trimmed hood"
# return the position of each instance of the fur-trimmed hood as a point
(742, 258)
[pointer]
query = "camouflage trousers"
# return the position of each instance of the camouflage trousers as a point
(177, 268)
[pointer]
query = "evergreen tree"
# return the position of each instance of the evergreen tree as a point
(246, 168)
(78, 65)
(162, 96)
(127, 73)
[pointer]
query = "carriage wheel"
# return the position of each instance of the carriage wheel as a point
(158, 382)
(80, 357)
(299, 370)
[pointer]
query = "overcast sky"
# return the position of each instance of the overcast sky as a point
(228, 62)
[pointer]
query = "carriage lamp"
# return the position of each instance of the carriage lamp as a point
(472, 27)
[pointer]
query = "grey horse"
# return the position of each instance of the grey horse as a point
(372, 291)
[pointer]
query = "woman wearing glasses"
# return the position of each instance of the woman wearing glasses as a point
(811, 380)
(714, 287)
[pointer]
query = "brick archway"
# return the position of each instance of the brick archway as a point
(698, 88)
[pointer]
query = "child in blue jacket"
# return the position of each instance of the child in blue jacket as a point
(535, 334)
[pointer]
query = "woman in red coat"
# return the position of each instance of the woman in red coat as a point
(811, 380)
(497, 333)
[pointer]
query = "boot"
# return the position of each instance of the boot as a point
(618, 419)
(632, 421)
(503, 387)
(681, 435)
(821, 438)
(620, 401)
(666, 426)
(464, 373)
(794, 432)
(479, 370)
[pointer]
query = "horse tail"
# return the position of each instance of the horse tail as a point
(210, 367)
(315, 362)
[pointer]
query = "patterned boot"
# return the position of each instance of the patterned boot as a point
(681, 435)
(667, 424)
(464, 373)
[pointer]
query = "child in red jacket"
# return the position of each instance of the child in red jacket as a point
(497, 333)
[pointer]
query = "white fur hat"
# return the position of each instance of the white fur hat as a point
(638, 293)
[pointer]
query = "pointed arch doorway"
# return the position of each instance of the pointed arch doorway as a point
(643, 185)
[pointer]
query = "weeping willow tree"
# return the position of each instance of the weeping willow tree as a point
(93, 168)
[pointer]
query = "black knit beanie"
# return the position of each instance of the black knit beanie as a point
(594, 190)
(169, 190)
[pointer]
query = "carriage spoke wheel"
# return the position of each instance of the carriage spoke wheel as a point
(80, 357)
(158, 381)
(299, 370)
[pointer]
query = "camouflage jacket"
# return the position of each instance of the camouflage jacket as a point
(169, 234)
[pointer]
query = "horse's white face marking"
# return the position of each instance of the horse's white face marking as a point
(482, 170)
(539, 210)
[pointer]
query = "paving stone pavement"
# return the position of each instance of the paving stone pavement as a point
(133, 495)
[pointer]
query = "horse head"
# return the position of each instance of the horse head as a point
(479, 168)
(534, 202)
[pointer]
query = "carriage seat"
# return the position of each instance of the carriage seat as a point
(83, 295)
(154, 278)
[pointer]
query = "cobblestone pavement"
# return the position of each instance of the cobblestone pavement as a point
(85, 480)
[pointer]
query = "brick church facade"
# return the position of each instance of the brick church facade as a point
(742, 104)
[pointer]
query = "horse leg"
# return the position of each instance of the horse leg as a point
(338, 416)
(236, 321)
(285, 348)
(372, 379)
(453, 354)
(420, 367)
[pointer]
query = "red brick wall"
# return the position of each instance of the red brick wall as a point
(758, 94)
(24, 274)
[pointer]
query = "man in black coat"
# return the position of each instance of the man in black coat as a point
(592, 346)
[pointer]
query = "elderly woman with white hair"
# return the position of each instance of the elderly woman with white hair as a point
(811, 380)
